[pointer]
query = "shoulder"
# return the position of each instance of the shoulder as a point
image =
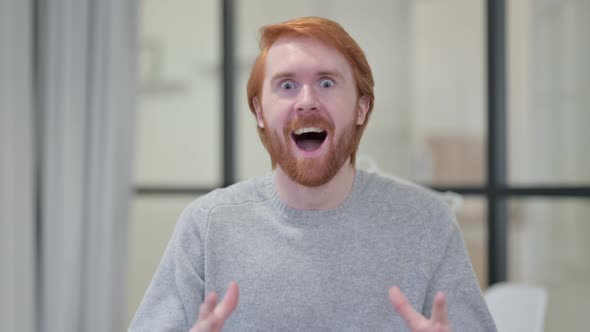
(196, 213)
(420, 204)
(242, 192)
(406, 194)
(423, 205)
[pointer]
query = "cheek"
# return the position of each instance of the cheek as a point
(344, 115)
(273, 120)
(276, 114)
(344, 128)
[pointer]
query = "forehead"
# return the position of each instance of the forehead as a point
(304, 54)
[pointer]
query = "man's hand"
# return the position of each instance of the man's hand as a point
(213, 315)
(439, 322)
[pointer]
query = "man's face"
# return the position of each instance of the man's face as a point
(309, 109)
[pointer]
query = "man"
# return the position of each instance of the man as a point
(316, 245)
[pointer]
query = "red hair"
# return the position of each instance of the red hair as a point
(328, 32)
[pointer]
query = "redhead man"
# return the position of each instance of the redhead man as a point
(316, 245)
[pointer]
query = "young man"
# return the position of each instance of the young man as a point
(316, 245)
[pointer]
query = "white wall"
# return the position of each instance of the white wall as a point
(179, 120)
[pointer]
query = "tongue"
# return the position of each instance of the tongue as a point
(309, 144)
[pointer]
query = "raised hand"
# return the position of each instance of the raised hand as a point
(213, 315)
(439, 322)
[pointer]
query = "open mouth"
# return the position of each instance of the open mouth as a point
(309, 139)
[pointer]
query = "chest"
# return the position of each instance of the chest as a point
(287, 272)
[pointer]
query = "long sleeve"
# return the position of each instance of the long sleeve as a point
(177, 289)
(453, 274)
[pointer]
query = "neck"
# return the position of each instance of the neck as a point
(324, 197)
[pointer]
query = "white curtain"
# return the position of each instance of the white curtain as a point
(17, 170)
(68, 108)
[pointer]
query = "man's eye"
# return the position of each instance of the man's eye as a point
(287, 85)
(326, 83)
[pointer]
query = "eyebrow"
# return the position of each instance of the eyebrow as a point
(281, 75)
(331, 73)
(290, 74)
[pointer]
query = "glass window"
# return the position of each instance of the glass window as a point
(549, 242)
(428, 61)
(178, 141)
(549, 96)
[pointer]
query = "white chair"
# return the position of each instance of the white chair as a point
(517, 307)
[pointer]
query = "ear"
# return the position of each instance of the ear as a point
(363, 108)
(258, 110)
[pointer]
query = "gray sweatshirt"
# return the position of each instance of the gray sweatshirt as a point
(327, 270)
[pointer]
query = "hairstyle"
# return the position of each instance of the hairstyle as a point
(328, 32)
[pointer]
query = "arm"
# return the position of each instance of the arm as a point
(455, 277)
(453, 298)
(177, 289)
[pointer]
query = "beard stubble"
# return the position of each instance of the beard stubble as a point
(310, 172)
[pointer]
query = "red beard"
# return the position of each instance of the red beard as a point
(310, 172)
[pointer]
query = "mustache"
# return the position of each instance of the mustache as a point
(309, 120)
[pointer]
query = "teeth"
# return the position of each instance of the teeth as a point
(308, 130)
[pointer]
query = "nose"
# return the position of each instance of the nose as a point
(306, 100)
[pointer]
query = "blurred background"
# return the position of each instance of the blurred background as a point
(486, 99)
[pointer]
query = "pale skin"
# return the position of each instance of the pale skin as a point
(305, 66)
(212, 315)
(438, 322)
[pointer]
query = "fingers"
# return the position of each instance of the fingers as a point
(211, 324)
(229, 302)
(439, 310)
(208, 306)
(212, 316)
(403, 308)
